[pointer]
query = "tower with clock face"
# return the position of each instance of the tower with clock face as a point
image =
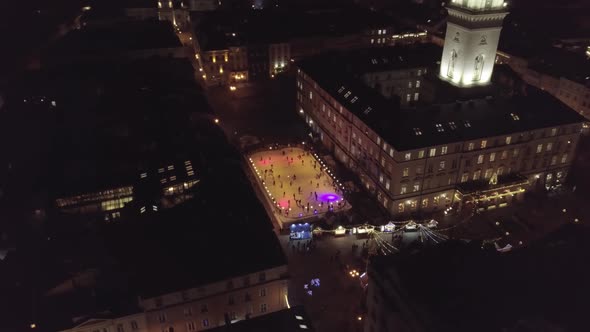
(473, 32)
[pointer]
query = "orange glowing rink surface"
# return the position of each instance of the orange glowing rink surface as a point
(296, 183)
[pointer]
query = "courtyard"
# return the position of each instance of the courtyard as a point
(296, 183)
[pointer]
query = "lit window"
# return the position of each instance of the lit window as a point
(484, 143)
(476, 175)
(444, 150)
(406, 172)
(425, 202)
(539, 148)
(441, 165)
(421, 154)
(355, 98)
(480, 159)
(515, 117)
(549, 146)
(341, 89)
(403, 190)
(391, 152)
(439, 127)
(400, 207)
(504, 155)
(367, 110)
(417, 131)
(310, 95)
(416, 186)
(500, 170)
(372, 41)
(492, 156)
(464, 177)
(508, 139)
(408, 97)
(410, 84)
(416, 96)
(347, 94)
(515, 153)
(408, 156)
(488, 173)
(470, 146)
(467, 124)
(564, 158)
(432, 152)
(553, 131)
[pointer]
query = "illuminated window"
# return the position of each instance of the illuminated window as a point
(476, 175)
(484, 143)
(418, 83)
(564, 158)
(432, 152)
(310, 95)
(410, 84)
(464, 177)
(549, 146)
(444, 150)
(504, 155)
(408, 156)
(553, 131)
(403, 190)
(492, 156)
(408, 97)
(488, 173)
(416, 96)
(347, 94)
(539, 148)
(400, 207)
(500, 170)
(421, 154)
(439, 127)
(467, 124)
(480, 159)
(441, 165)
(417, 131)
(372, 41)
(515, 153)
(515, 117)
(355, 98)
(406, 172)
(425, 202)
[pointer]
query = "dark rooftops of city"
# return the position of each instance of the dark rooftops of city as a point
(117, 37)
(294, 319)
(457, 286)
(216, 30)
(561, 63)
(438, 123)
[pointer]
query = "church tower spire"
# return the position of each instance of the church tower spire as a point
(473, 33)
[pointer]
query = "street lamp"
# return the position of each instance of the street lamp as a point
(216, 120)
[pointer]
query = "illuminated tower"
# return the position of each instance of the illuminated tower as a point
(473, 32)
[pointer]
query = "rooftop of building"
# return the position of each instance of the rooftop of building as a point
(458, 286)
(562, 63)
(441, 121)
(294, 319)
(117, 37)
(216, 29)
(102, 131)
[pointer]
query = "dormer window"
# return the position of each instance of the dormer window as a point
(440, 128)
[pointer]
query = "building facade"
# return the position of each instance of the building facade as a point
(478, 153)
(211, 305)
(219, 303)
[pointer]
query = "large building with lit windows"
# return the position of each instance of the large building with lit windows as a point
(444, 143)
(234, 46)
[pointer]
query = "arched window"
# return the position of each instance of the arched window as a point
(478, 67)
(451, 68)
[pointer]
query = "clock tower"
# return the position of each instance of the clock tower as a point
(473, 32)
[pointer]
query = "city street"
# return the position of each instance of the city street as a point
(335, 304)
